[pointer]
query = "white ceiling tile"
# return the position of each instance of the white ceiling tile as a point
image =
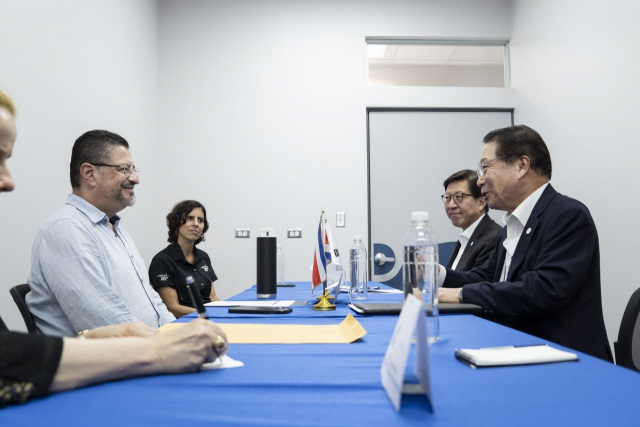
(390, 52)
(418, 62)
(478, 53)
(482, 62)
(433, 53)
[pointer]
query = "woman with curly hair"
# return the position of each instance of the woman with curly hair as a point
(169, 269)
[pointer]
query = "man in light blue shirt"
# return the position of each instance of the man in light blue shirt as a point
(86, 271)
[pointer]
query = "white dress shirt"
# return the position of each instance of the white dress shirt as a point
(515, 226)
(83, 275)
(464, 240)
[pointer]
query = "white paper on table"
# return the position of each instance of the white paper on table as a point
(223, 362)
(372, 290)
(266, 303)
(385, 291)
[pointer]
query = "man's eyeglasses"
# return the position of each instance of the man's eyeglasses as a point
(125, 169)
(458, 197)
(482, 167)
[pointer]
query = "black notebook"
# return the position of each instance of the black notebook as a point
(373, 308)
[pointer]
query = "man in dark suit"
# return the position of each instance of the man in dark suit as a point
(543, 278)
(467, 209)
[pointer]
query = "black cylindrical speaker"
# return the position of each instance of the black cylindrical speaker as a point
(266, 267)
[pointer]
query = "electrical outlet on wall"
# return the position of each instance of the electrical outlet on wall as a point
(242, 233)
(294, 233)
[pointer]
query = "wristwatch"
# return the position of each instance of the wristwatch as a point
(460, 296)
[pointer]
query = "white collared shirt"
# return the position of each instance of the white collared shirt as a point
(84, 274)
(515, 226)
(464, 238)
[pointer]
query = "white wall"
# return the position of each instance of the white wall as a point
(256, 108)
(262, 114)
(575, 72)
(72, 66)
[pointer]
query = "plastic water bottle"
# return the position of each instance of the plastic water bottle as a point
(280, 266)
(358, 265)
(420, 270)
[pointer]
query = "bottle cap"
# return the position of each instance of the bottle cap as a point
(357, 237)
(419, 216)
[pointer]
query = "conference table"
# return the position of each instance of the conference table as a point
(339, 384)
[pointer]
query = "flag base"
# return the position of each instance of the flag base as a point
(324, 304)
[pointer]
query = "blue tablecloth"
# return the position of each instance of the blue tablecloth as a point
(301, 293)
(338, 384)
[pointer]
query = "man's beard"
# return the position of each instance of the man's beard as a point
(122, 199)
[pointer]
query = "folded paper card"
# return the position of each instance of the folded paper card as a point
(347, 331)
(392, 372)
(506, 356)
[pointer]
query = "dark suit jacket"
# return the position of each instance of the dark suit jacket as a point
(552, 289)
(481, 244)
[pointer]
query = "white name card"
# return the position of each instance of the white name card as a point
(412, 317)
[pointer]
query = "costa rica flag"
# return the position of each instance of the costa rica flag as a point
(319, 270)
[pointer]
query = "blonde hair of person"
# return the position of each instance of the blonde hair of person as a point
(6, 102)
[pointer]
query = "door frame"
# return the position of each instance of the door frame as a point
(402, 110)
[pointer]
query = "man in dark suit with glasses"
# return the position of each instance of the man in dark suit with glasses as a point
(543, 278)
(467, 209)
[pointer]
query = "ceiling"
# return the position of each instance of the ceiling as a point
(436, 55)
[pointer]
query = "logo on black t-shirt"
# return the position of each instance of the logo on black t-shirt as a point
(163, 277)
(205, 268)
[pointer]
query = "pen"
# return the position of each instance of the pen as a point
(219, 343)
(196, 298)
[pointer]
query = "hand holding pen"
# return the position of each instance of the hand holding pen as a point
(219, 344)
